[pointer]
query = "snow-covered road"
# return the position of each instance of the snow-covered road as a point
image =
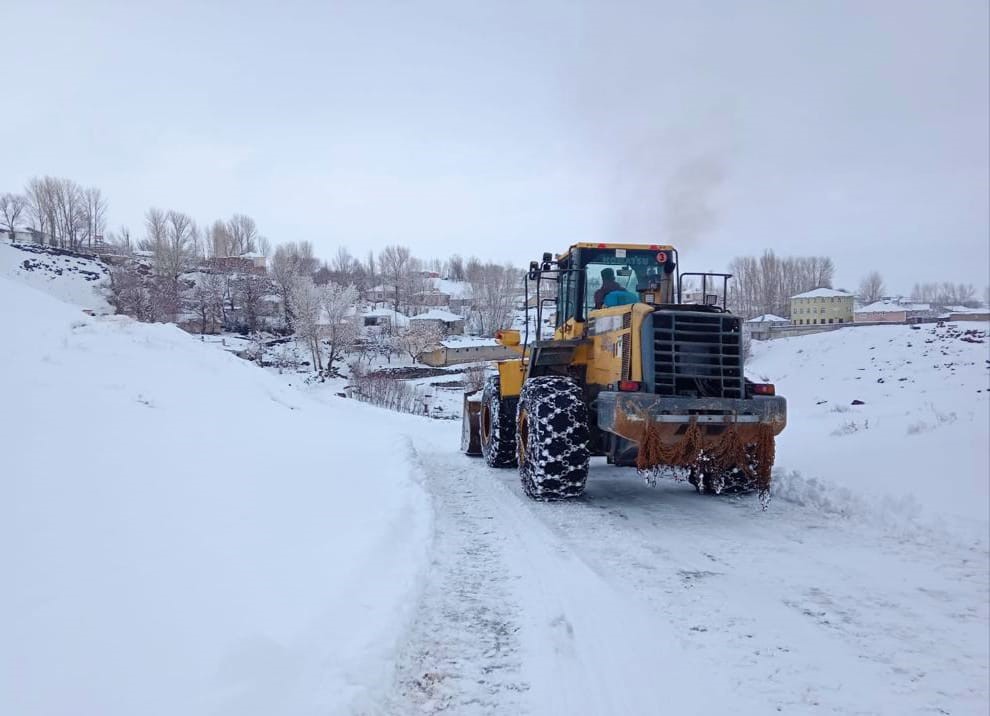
(637, 600)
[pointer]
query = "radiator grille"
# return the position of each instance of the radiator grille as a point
(697, 354)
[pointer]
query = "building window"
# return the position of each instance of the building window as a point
(830, 320)
(840, 320)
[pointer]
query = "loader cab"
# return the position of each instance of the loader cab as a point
(644, 274)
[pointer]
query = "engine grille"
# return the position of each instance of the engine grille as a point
(697, 354)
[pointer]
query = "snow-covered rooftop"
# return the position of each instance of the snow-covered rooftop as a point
(454, 289)
(889, 305)
(252, 255)
(966, 309)
(768, 318)
(437, 314)
(823, 293)
(468, 342)
(397, 318)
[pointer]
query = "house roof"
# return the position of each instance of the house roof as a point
(822, 293)
(467, 342)
(768, 318)
(454, 289)
(966, 309)
(888, 305)
(398, 319)
(437, 315)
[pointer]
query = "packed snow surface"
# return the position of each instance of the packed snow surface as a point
(180, 533)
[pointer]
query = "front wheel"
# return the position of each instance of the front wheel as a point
(552, 438)
(497, 424)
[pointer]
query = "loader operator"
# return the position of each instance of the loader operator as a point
(609, 284)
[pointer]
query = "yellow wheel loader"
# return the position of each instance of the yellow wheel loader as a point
(636, 370)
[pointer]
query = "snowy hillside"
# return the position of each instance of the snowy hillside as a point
(915, 447)
(182, 534)
(74, 279)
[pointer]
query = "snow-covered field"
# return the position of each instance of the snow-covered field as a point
(916, 449)
(184, 532)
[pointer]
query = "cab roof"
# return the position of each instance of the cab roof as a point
(630, 247)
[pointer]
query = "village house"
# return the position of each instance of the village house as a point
(449, 323)
(964, 313)
(822, 306)
(385, 319)
(456, 350)
(893, 310)
(759, 328)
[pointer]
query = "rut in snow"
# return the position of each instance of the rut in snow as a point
(462, 655)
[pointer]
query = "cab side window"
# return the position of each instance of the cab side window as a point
(568, 297)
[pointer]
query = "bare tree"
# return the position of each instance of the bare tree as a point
(766, 283)
(219, 239)
(343, 262)
(243, 234)
(264, 246)
(455, 266)
(207, 302)
(494, 288)
(128, 295)
(171, 237)
(121, 240)
(395, 263)
(94, 214)
(871, 288)
(12, 206)
(250, 289)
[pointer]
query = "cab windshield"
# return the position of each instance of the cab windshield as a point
(624, 273)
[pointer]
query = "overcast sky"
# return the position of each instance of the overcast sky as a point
(503, 129)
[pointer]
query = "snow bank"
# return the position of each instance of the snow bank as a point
(181, 534)
(917, 448)
(67, 277)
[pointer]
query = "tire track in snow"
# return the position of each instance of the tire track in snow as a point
(462, 654)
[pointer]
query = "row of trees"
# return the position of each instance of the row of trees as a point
(947, 294)
(765, 284)
(61, 212)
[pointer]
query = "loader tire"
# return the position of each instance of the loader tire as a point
(553, 435)
(498, 426)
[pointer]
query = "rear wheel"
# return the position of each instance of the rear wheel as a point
(552, 427)
(497, 426)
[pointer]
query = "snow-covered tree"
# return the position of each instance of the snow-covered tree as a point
(306, 307)
(289, 262)
(338, 329)
(419, 337)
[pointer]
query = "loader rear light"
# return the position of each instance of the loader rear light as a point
(764, 389)
(629, 386)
